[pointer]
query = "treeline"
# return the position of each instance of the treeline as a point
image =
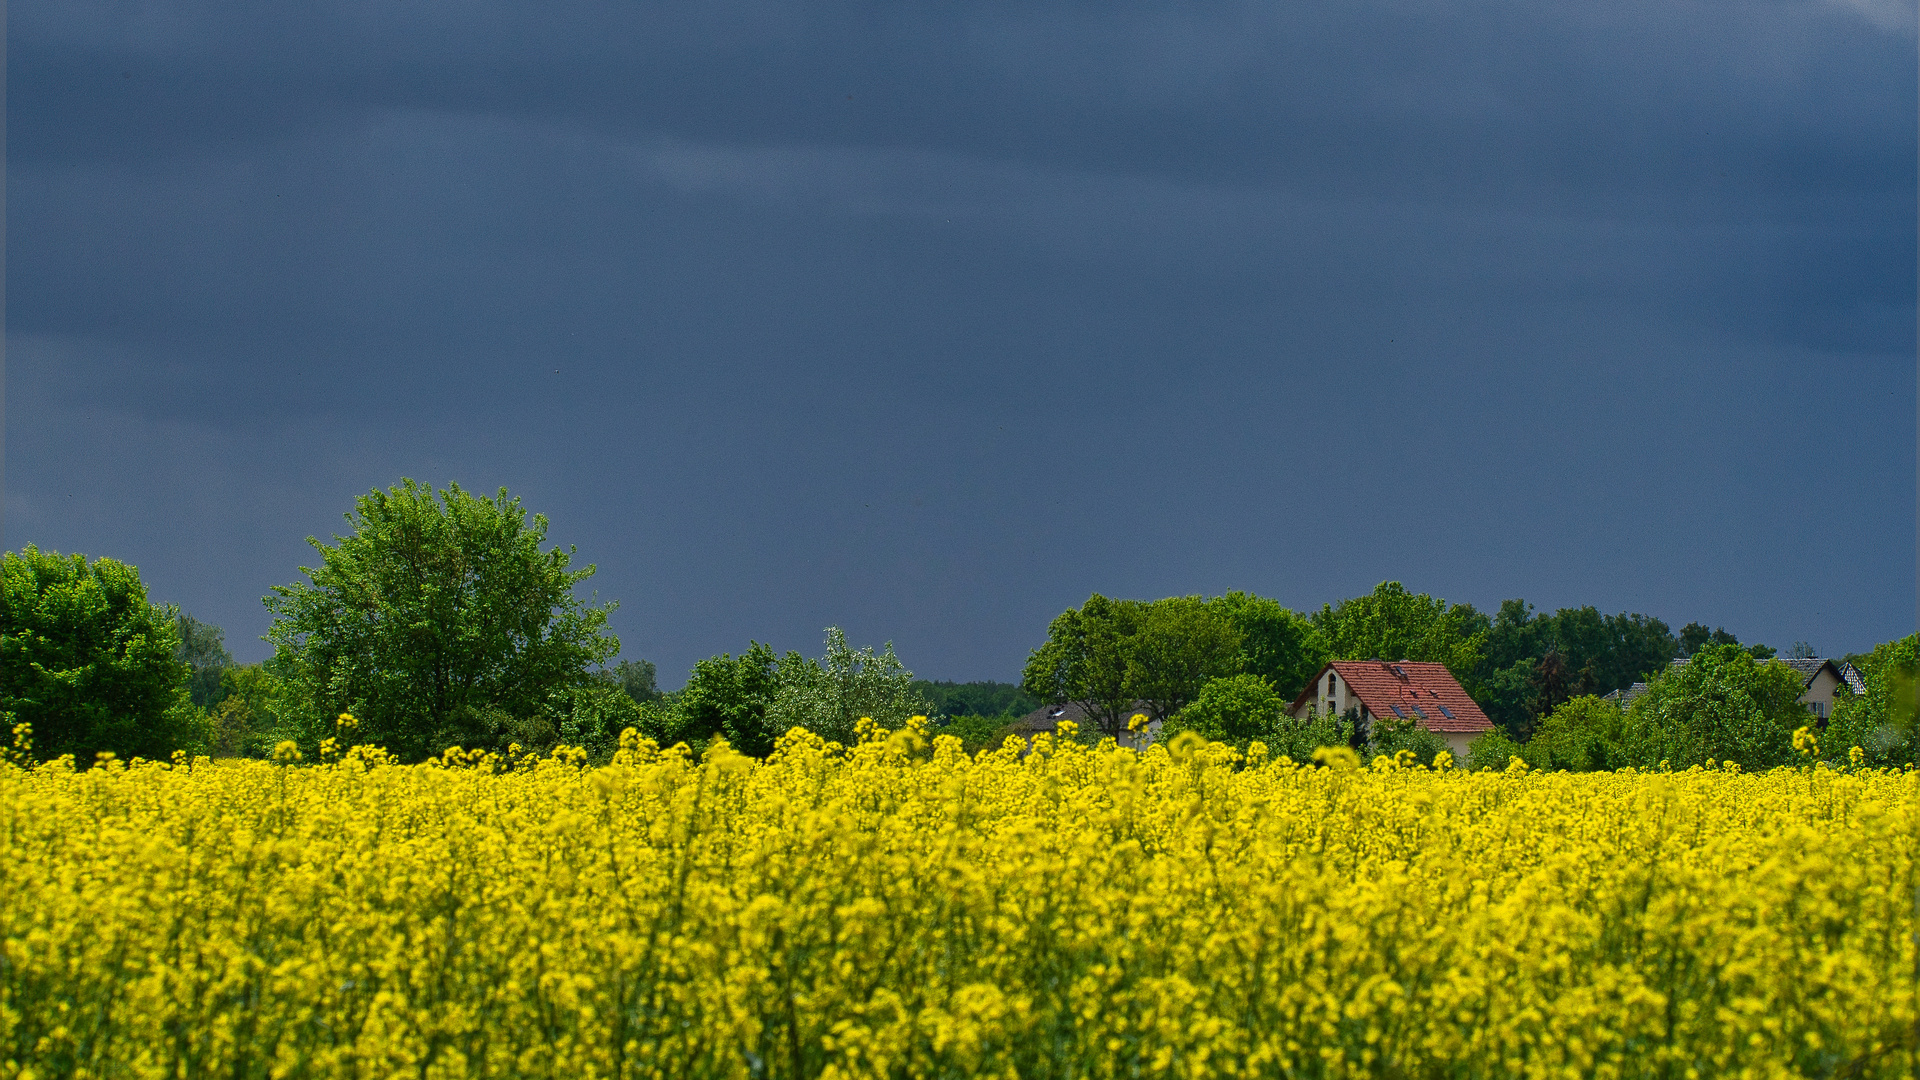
(443, 619)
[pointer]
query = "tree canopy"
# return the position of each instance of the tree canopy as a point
(87, 660)
(439, 620)
(754, 698)
(1113, 656)
(1391, 623)
(1724, 704)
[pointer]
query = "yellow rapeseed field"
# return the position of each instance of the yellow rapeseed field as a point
(898, 909)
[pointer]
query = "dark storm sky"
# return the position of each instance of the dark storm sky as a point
(928, 319)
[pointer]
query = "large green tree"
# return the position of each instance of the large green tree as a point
(1276, 643)
(1085, 661)
(1180, 644)
(1391, 623)
(726, 695)
(88, 661)
(440, 619)
(1724, 704)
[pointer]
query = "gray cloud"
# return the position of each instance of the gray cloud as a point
(930, 321)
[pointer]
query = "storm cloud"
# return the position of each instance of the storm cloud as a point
(928, 320)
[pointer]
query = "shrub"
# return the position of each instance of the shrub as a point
(1492, 751)
(1583, 734)
(1722, 705)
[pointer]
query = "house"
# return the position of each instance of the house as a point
(1048, 717)
(1818, 680)
(1425, 693)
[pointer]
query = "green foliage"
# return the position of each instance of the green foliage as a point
(1244, 709)
(1389, 735)
(753, 699)
(1507, 696)
(1182, 642)
(1391, 623)
(981, 699)
(1494, 750)
(1085, 660)
(590, 717)
(87, 661)
(1236, 709)
(245, 721)
(1583, 734)
(1723, 705)
(203, 648)
(726, 696)
(1694, 637)
(1531, 663)
(1883, 721)
(1276, 643)
(438, 616)
(828, 698)
(977, 733)
(1108, 655)
(638, 679)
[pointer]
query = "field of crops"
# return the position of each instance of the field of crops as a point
(898, 909)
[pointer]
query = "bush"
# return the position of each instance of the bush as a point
(1722, 705)
(1240, 710)
(1390, 735)
(1492, 751)
(87, 661)
(977, 733)
(1583, 734)
(828, 698)
(1237, 710)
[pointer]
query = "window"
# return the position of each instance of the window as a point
(1417, 712)
(1331, 683)
(1398, 711)
(1819, 708)
(1446, 712)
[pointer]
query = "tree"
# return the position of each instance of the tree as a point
(986, 699)
(1391, 623)
(437, 617)
(1695, 636)
(203, 648)
(245, 721)
(1243, 709)
(1085, 661)
(1276, 643)
(727, 696)
(1180, 644)
(1723, 705)
(830, 697)
(636, 678)
(1236, 709)
(1583, 734)
(88, 661)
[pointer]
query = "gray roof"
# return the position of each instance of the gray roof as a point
(1809, 668)
(1625, 697)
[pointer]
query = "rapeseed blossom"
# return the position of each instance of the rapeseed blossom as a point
(897, 908)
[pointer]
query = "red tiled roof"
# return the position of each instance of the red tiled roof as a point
(1381, 685)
